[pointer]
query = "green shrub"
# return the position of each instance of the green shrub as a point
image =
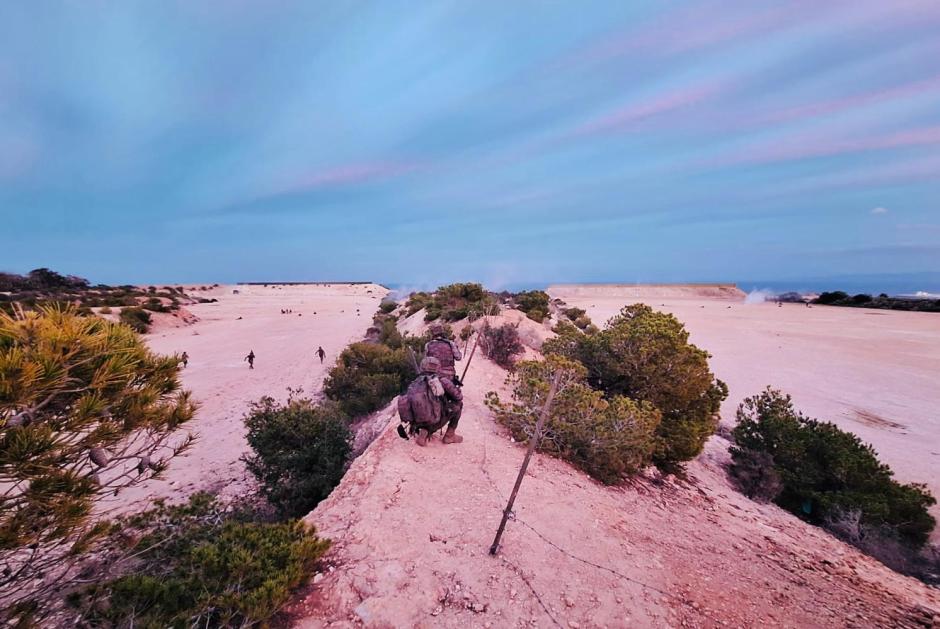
(200, 565)
(299, 451)
(533, 303)
(574, 313)
(154, 304)
(825, 470)
(137, 318)
(501, 344)
(387, 306)
(831, 297)
(583, 322)
(367, 376)
(417, 301)
(645, 355)
(606, 438)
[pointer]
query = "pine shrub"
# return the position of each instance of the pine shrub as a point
(367, 376)
(646, 355)
(606, 438)
(825, 470)
(299, 451)
(199, 565)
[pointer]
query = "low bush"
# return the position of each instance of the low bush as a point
(533, 303)
(453, 302)
(367, 376)
(105, 310)
(574, 313)
(137, 318)
(826, 471)
(154, 304)
(606, 438)
(501, 344)
(882, 301)
(199, 565)
(387, 306)
(299, 451)
(646, 355)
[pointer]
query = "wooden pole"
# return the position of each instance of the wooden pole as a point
(533, 442)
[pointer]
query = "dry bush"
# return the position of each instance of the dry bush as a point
(501, 344)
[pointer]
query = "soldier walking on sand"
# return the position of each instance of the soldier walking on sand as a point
(251, 359)
(184, 358)
(321, 353)
(424, 405)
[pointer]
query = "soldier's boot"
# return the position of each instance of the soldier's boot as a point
(422, 437)
(451, 436)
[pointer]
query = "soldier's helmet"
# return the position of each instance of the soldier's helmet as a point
(436, 330)
(430, 365)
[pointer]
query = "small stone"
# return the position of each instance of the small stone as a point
(573, 624)
(317, 577)
(512, 593)
(437, 611)
(569, 602)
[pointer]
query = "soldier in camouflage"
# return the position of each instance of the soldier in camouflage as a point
(446, 352)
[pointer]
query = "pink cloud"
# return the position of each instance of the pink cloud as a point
(675, 99)
(813, 147)
(350, 175)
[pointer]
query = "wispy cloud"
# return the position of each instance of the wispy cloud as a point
(879, 210)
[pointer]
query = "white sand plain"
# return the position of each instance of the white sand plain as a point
(221, 382)
(873, 372)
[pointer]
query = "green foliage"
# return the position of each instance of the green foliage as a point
(882, 301)
(200, 565)
(501, 344)
(367, 376)
(645, 355)
(607, 438)
(136, 318)
(299, 451)
(452, 302)
(387, 306)
(85, 411)
(574, 313)
(533, 303)
(825, 470)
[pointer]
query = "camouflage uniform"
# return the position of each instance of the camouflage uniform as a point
(428, 412)
(447, 352)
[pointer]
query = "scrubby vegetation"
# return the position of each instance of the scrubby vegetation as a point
(452, 302)
(607, 438)
(824, 475)
(535, 304)
(882, 301)
(199, 564)
(367, 376)
(299, 451)
(646, 356)
(43, 287)
(501, 344)
(138, 319)
(86, 410)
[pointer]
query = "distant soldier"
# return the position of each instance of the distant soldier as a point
(321, 354)
(251, 359)
(184, 358)
(424, 405)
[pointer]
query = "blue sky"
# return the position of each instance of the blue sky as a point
(507, 142)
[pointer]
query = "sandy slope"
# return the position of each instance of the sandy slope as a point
(412, 527)
(873, 372)
(224, 386)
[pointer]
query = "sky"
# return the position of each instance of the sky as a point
(416, 143)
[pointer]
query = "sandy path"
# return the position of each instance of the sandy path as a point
(223, 385)
(874, 372)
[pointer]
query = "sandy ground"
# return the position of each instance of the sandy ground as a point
(873, 372)
(411, 529)
(221, 382)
